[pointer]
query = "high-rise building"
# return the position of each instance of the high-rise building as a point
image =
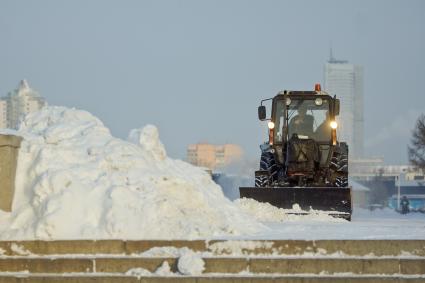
(213, 156)
(17, 103)
(346, 82)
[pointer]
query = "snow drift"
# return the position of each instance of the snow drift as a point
(75, 180)
(266, 212)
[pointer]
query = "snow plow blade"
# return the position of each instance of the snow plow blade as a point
(331, 200)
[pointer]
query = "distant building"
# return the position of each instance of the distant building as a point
(346, 82)
(213, 156)
(370, 169)
(17, 103)
(3, 113)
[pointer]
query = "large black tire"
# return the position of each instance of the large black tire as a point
(261, 181)
(339, 166)
(267, 163)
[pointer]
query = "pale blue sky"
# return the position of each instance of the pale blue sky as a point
(197, 69)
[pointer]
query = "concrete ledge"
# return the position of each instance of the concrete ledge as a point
(326, 247)
(63, 247)
(36, 265)
(218, 279)
(73, 279)
(327, 266)
(120, 247)
(222, 247)
(226, 265)
(136, 247)
(375, 247)
(253, 247)
(412, 266)
(122, 265)
(215, 265)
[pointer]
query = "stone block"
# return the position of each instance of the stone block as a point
(9, 148)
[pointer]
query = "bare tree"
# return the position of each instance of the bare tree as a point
(416, 150)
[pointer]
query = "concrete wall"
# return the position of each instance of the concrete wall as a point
(9, 148)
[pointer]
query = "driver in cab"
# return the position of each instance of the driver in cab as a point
(324, 131)
(301, 124)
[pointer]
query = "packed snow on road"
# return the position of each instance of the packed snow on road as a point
(76, 181)
(378, 224)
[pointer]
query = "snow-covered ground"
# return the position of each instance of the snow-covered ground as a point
(365, 224)
(76, 181)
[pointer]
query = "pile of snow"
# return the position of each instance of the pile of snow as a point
(190, 263)
(138, 272)
(163, 270)
(266, 212)
(75, 180)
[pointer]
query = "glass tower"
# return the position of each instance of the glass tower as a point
(346, 82)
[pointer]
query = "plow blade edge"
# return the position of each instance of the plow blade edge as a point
(333, 200)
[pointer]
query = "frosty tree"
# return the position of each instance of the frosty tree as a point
(416, 150)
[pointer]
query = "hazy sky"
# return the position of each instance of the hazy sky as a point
(198, 69)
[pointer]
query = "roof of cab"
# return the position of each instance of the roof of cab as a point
(303, 93)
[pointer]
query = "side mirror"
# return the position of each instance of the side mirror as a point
(262, 112)
(336, 109)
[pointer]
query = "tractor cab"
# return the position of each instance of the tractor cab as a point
(307, 117)
(306, 114)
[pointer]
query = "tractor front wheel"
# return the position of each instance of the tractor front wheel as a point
(267, 163)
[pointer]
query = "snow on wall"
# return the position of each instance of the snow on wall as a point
(75, 180)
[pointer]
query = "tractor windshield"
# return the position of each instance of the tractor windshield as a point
(308, 118)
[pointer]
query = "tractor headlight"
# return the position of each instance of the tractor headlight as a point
(334, 124)
(270, 125)
(318, 101)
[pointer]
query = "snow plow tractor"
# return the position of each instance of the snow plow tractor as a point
(303, 162)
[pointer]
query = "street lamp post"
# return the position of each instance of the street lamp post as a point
(398, 192)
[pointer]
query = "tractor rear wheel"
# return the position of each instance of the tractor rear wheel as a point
(339, 166)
